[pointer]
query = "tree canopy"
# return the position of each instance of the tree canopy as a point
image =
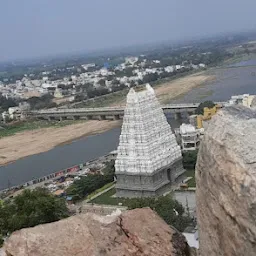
(189, 159)
(7, 103)
(200, 108)
(86, 185)
(41, 102)
(30, 208)
(166, 207)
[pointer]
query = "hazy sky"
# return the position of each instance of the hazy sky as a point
(31, 28)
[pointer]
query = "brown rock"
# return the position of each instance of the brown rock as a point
(140, 232)
(226, 185)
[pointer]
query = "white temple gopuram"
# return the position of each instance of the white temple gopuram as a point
(149, 160)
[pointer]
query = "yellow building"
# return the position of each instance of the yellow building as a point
(207, 115)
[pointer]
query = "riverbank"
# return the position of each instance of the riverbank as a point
(21, 126)
(36, 141)
(168, 90)
(171, 90)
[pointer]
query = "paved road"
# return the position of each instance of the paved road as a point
(186, 197)
(100, 193)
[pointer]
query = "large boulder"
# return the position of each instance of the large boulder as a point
(139, 232)
(226, 184)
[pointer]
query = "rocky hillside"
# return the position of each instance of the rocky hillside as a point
(139, 232)
(226, 185)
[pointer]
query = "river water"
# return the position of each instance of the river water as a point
(231, 81)
(61, 157)
(228, 82)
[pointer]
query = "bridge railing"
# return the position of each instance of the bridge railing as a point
(111, 109)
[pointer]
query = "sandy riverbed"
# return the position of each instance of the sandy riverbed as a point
(176, 88)
(41, 140)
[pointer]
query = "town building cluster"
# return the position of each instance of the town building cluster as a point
(130, 72)
(245, 100)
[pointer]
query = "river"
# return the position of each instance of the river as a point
(238, 78)
(60, 157)
(230, 81)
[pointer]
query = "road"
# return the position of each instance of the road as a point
(186, 198)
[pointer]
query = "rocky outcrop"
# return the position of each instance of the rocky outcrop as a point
(140, 232)
(226, 184)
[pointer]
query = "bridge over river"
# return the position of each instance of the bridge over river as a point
(104, 113)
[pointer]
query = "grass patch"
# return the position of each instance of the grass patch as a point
(238, 58)
(107, 198)
(191, 182)
(13, 128)
(100, 190)
(103, 101)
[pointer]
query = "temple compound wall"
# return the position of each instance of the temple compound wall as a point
(148, 185)
(149, 160)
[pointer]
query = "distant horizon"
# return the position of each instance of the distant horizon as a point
(122, 49)
(37, 29)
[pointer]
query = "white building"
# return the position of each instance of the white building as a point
(13, 113)
(244, 99)
(202, 65)
(123, 79)
(188, 136)
(74, 78)
(131, 60)
(86, 66)
(169, 69)
(46, 85)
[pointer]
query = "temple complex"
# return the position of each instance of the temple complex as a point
(149, 160)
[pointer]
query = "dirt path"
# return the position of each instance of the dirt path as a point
(36, 141)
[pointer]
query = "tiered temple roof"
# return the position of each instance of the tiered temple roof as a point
(147, 142)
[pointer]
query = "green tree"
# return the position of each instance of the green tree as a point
(86, 185)
(115, 82)
(41, 102)
(132, 84)
(29, 209)
(166, 207)
(200, 108)
(7, 103)
(102, 82)
(189, 159)
(150, 78)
